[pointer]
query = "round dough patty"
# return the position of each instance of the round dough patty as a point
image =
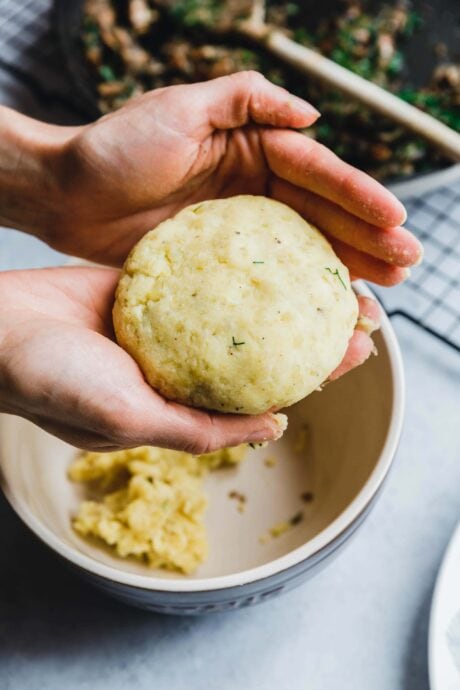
(237, 305)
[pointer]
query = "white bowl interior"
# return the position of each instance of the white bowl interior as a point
(346, 427)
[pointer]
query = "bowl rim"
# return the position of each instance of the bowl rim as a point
(322, 540)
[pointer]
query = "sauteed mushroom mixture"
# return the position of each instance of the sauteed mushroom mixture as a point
(137, 45)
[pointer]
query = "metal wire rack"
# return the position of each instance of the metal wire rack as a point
(430, 298)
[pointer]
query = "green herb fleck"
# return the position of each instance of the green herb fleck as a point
(197, 208)
(256, 445)
(106, 73)
(337, 274)
(258, 262)
(237, 343)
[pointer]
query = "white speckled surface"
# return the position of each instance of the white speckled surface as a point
(361, 624)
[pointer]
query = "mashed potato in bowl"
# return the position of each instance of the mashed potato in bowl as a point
(237, 305)
(149, 502)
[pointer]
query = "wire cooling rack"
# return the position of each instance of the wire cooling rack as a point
(430, 298)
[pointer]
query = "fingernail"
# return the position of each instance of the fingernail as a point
(406, 274)
(404, 212)
(281, 422)
(260, 436)
(366, 324)
(304, 107)
(271, 433)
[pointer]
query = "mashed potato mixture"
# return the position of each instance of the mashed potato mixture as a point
(237, 305)
(149, 502)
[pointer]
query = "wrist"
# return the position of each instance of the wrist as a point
(30, 196)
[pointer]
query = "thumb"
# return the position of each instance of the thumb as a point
(196, 431)
(235, 100)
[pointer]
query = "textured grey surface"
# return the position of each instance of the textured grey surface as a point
(359, 625)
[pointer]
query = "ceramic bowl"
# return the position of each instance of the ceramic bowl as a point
(339, 447)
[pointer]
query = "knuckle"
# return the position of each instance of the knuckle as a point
(202, 441)
(349, 181)
(249, 78)
(197, 445)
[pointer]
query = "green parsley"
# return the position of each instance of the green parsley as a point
(337, 274)
(258, 262)
(236, 343)
(107, 73)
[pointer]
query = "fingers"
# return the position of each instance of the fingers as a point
(302, 161)
(369, 315)
(198, 431)
(395, 246)
(359, 349)
(361, 344)
(362, 265)
(170, 425)
(235, 100)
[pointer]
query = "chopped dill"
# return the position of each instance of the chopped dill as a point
(337, 274)
(258, 262)
(237, 343)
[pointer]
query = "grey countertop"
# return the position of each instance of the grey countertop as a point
(361, 624)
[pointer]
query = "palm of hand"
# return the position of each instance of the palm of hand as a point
(90, 392)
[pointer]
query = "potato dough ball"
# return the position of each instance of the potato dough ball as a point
(237, 305)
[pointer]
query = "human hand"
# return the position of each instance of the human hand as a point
(60, 368)
(125, 173)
